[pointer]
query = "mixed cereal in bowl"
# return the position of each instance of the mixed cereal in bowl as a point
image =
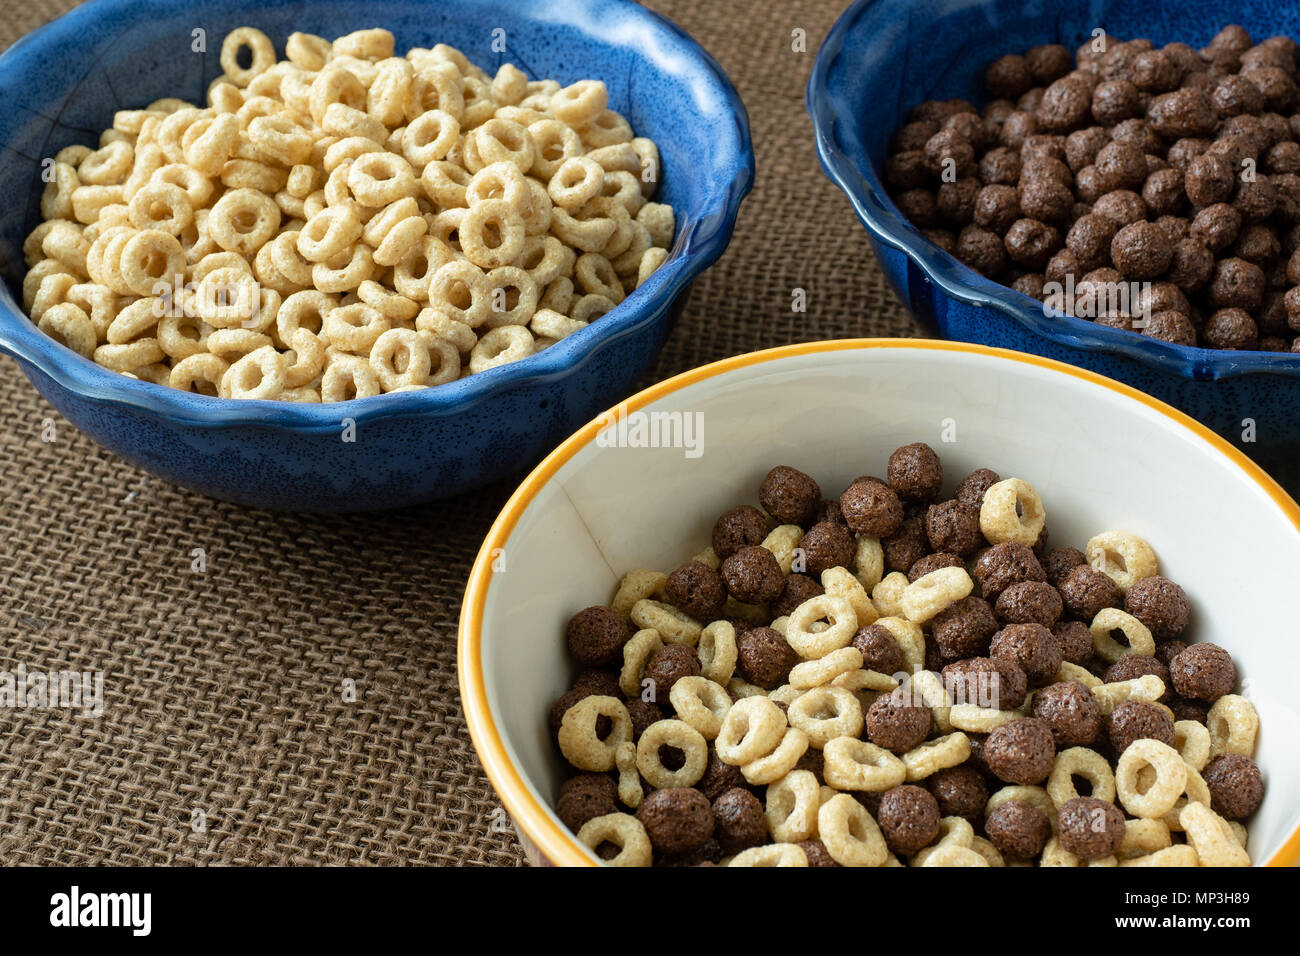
(896, 677)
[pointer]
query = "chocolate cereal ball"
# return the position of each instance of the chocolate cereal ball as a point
(1237, 284)
(915, 473)
(1216, 226)
(753, 575)
(719, 777)
(1033, 647)
(738, 528)
(798, 588)
(954, 526)
(1141, 250)
(789, 496)
(696, 589)
(908, 818)
(1161, 605)
(1008, 77)
(1203, 672)
(1173, 327)
(816, 853)
(1006, 564)
(1065, 105)
(1091, 829)
(1209, 179)
(879, 649)
(595, 636)
(1029, 602)
(906, 546)
(1236, 786)
(971, 489)
(1087, 591)
(1191, 264)
(1048, 62)
(1133, 666)
(1058, 562)
(895, 724)
(668, 664)
(827, 545)
(676, 819)
(964, 628)
(738, 821)
(1018, 830)
(1075, 640)
(765, 657)
(584, 797)
(1071, 711)
(643, 714)
(1136, 719)
(1021, 751)
(960, 791)
(986, 682)
(872, 508)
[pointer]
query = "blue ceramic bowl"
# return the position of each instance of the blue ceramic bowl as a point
(61, 85)
(883, 57)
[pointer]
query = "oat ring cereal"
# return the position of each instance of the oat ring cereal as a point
(717, 650)
(772, 854)
(701, 703)
(1233, 726)
(752, 729)
(811, 674)
(812, 644)
(950, 750)
(783, 759)
(825, 713)
(1124, 558)
(1111, 619)
(625, 832)
(1209, 835)
(935, 592)
(1012, 511)
(849, 833)
(1162, 789)
(579, 740)
(636, 652)
(673, 625)
(853, 764)
(681, 736)
(1085, 763)
(792, 805)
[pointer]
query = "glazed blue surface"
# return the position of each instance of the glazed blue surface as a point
(61, 84)
(883, 57)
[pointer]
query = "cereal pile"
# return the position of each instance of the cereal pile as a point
(899, 676)
(1171, 167)
(343, 223)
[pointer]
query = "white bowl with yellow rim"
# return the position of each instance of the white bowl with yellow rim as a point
(640, 487)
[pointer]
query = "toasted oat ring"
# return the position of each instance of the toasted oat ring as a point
(345, 380)
(1110, 619)
(429, 137)
(674, 626)
(261, 53)
(502, 141)
(461, 288)
(501, 181)
(752, 729)
(683, 737)
(1211, 838)
(354, 328)
(330, 232)
(306, 310)
(380, 178)
(576, 182)
(929, 688)
(243, 220)
(444, 184)
(810, 644)
(1081, 762)
(839, 582)
(852, 764)
(514, 295)
(701, 703)
(792, 807)
(951, 855)
(1012, 511)
(934, 755)
(492, 233)
(887, 595)
(399, 358)
(201, 372)
(980, 720)
(1170, 778)
(159, 205)
(771, 854)
(128, 357)
(1142, 836)
(625, 832)
(596, 276)
(1193, 742)
(579, 741)
(849, 833)
(718, 652)
(135, 320)
(579, 103)
(636, 586)
(344, 273)
(234, 344)
(774, 766)
(70, 326)
(1180, 855)
(258, 375)
(1233, 725)
(1124, 558)
(307, 353)
(1148, 687)
(811, 674)
(932, 593)
(636, 653)
(825, 713)
(150, 257)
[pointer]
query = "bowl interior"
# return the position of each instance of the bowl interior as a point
(887, 56)
(62, 85)
(836, 410)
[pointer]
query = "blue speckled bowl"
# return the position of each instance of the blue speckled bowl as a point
(884, 57)
(61, 85)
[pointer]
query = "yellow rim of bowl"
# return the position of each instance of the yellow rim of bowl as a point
(552, 840)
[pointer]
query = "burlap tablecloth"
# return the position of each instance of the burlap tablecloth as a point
(224, 737)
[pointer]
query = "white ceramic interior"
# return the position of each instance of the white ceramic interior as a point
(1100, 456)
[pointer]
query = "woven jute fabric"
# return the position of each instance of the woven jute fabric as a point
(227, 637)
